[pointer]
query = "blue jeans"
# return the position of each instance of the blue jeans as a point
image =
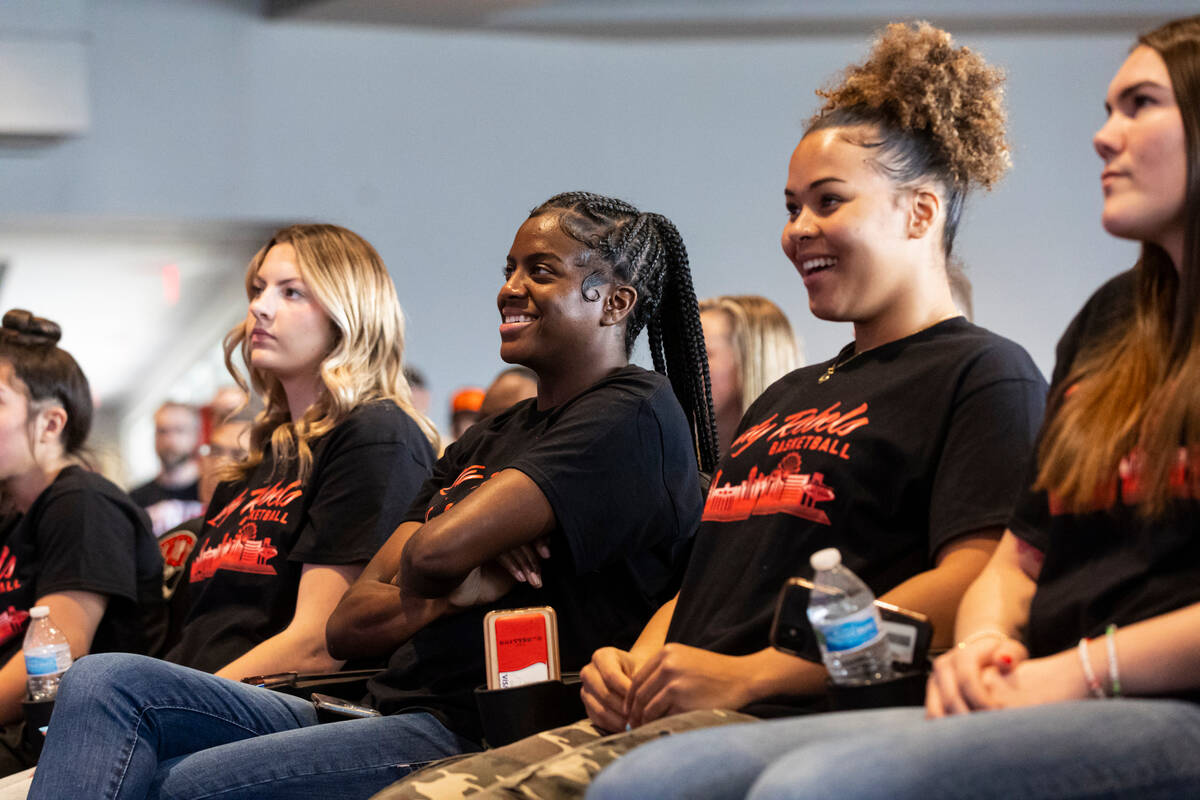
(133, 727)
(1092, 749)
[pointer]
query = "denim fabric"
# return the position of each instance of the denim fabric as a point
(1086, 749)
(129, 727)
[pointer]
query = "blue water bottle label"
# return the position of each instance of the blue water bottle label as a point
(850, 632)
(48, 661)
(41, 665)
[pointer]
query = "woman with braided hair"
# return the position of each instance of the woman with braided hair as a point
(905, 451)
(582, 498)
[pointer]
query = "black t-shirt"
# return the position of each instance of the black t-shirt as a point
(617, 465)
(150, 493)
(82, 533)
(1109, 565)
(904, 448)
(259, 533)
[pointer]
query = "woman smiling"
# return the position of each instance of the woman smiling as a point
(1094, 590)
(581, 498)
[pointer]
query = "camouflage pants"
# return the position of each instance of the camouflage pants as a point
(555, 764)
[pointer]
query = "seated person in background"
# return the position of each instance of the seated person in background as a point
(79, 545)
(1105, 537)
(420, 388)
(960, 288)
(227, 401)
(464, 409)
(750, 345)
(173, 495)
(510, 387)
(905, 451)
(600, 469)
(227, 445)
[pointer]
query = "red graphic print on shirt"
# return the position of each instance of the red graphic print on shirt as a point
(1129, 487)
(467, 481)
(784, 489)
(247, 550)
(12, 623)
(8, 569)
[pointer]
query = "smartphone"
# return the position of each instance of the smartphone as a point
(909, 632)
(272, 681)
(335, 709)
(521, 646)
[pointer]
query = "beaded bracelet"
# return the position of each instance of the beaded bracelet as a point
(1089, 675)
(1114, 675)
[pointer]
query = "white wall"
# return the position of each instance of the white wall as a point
(435, 145)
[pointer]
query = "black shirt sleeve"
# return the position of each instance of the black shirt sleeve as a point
(981, 472)
(1109, 307)
(86, 543)
(622, 438)
(368, 472)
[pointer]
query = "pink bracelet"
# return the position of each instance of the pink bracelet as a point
(1089, 674)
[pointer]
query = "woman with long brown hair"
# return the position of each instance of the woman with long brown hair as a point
(1094, 591)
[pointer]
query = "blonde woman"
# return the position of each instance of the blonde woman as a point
(750, 345)
(335, 457)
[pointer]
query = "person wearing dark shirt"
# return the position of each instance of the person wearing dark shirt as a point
(582, 498)
(1094, 591)
(79, 545)
(333, 461)
(905, 451)
(174, 494)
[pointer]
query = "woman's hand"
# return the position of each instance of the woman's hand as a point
(1036, 681)
(605, 686)
(524, 563)
(957, 684)
(679, 678)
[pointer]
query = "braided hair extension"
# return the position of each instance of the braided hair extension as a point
(645, 251)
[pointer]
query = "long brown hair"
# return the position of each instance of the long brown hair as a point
(1137, 392)
(350, 283)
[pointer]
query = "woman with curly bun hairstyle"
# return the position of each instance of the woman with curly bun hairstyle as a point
(1093, 592)
(75, 543)
(904, 451)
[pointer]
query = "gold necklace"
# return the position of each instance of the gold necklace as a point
(841, 362)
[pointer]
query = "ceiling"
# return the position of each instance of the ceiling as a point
(726, 18)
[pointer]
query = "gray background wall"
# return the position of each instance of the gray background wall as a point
(434, 145)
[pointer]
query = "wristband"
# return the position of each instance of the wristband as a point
(1114, 675)
(983, 634)
(1089, 675)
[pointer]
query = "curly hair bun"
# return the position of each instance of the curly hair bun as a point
(23, 327)
(916, 79)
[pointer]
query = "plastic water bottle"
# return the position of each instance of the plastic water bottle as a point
(47, 655)
(842, 611)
